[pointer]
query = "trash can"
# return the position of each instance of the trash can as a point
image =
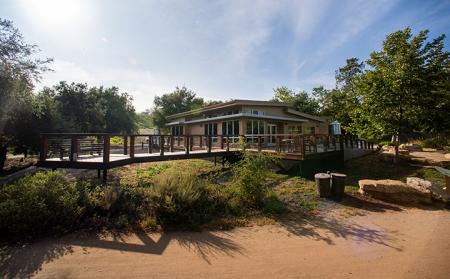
(323, 184)
(338, 184)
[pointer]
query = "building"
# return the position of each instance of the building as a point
(252, 119)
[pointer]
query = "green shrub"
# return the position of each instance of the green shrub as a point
(37, 204)
(273, 205)
(386, 142)
(116, 140)
(181, 199)
(439, 142)
(249, 179)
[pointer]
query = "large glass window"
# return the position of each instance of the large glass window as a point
(177, 130)
(231, 129)
(210, 129)
(255, 128)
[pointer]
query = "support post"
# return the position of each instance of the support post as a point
(201, 141)
(150, 145)
(44, 148)
(105, 175)
(132, 146)
(161, 144)
(73, 148)
(171, 144)
(106, 149)
(209, 143)
(187, 144)
(259, 144)
(221, 142)
(191, 143)
(228, 144)
(125, 145)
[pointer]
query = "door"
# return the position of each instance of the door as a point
(272, 131)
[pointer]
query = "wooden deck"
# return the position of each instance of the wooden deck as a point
(95, 151)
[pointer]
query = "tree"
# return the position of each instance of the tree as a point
(405, 81)
(180, 100)
(144, 119)
(300, 101)
(79, 108)
(19, 69)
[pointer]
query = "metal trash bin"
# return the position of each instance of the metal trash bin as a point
(323, 184)
(338, 184)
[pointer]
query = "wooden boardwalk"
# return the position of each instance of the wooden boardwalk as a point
(95, 151)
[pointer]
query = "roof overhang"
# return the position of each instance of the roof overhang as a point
(238, 115)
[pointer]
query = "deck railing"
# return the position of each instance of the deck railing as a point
(75, 146)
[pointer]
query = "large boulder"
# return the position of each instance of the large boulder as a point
(415, 191)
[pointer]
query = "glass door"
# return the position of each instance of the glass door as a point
(272, 131)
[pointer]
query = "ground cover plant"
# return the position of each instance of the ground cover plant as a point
(191, 194)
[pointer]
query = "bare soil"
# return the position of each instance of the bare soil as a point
(372, 240)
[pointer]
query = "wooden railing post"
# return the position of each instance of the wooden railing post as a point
(191, 143)
(132, 138)
(302, 145)
(150, 144)
(221, 142)
(73, 149)
(44, 148)
(201, 142)
(178, 141)
(228, 143)
(209, 143)
(187, 144)
(171, 143)
(259, 144)
(125, 145)
(106, 148)
(161, 145)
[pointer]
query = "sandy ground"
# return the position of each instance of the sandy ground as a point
(389, 242)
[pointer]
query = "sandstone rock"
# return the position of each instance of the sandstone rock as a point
(396, 191)
(412, 147)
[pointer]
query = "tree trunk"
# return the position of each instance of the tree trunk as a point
(397, 143)
(3, 151)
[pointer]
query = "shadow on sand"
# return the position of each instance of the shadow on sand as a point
(25, 260)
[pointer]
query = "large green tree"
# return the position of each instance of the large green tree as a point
(405, 87)
(90, 110)
(19, 69)
(180, 100)
(300, 101)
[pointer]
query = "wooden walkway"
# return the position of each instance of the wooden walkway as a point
(95, 151)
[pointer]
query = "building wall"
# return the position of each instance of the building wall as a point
(282, 126)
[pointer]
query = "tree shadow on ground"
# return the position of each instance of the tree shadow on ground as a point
(25, 260)
(328, 228)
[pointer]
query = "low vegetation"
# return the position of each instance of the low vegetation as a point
(189, 195)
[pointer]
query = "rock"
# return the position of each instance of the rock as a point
(396, 191)
(412, 147)
(447, 156)
(419, 184)
(403, 152)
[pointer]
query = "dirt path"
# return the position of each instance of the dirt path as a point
(402, 243)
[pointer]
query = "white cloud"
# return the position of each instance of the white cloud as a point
(104, 39)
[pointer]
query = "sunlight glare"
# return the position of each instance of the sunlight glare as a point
(56, 12)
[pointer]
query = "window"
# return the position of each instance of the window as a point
(210, 129)
(310, 130)
(293, 129)
(230, 128)
(255, 127)
(177, 130)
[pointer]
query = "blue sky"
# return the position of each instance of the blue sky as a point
(220, 49)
